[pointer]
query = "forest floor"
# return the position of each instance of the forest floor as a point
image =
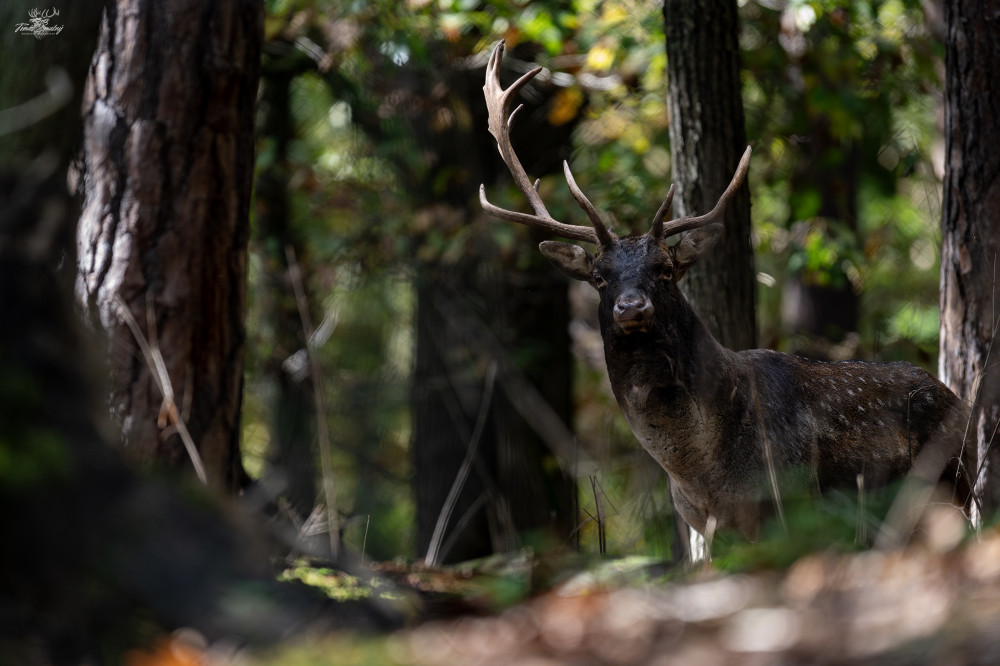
(934, 602)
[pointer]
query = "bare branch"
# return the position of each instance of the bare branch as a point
(322, 433)
(158, 368)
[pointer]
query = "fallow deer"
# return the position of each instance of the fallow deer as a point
(721, 422)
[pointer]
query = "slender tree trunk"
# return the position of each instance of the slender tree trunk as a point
(970, 229)
(829, 311)
(707, 138)
(291, 467)
(168, 168)
(515, 491)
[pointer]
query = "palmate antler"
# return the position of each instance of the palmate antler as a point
(501, 119)
(498, 101)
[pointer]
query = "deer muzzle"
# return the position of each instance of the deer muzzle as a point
(633, 312)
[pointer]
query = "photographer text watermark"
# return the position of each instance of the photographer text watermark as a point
(38, 24)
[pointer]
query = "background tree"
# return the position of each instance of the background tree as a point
(167, 174)
(841, 102)
(291, 471)
(707, 138)
(970, 227)
(417, 99)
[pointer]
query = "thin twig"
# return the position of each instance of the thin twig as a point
(434, 548)
(772, 474)
(462, 523)
(601, 543)
(861, 528)
(322, 432)
(158, 368)
(364, 540)
(576, 530)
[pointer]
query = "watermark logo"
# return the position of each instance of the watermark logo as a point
(38, 24)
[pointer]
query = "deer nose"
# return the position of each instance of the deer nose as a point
(633, 311)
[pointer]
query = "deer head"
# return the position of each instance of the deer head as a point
(630, 273)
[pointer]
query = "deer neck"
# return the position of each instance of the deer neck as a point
(671, 380)
(678, 350)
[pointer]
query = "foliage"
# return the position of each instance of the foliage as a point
(864, 75)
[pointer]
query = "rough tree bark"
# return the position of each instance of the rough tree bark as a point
(707, 138)
(168, 167)
(970, 229)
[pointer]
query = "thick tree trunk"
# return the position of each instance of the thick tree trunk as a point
(524, 492)
(446, 399)
(707, 138)
(517, 491)
(970, 229)
(168, 168)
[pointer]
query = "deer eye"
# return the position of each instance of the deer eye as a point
(666, 272)
(599, 280)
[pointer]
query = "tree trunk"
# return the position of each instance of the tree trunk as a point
(707, 138)
(970, 229)
(473, 313)
(168, 168)
(291, 470)
(446, 398)
(828, 311)
(516, 491)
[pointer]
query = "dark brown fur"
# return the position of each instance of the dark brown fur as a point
(709, 415)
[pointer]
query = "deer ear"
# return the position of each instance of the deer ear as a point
(693, 246)
(571, 259)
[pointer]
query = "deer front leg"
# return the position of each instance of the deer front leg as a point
(741, 516)
(692, 514)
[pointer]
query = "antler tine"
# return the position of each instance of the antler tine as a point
(501, 119)
(603, 234)
(688, 223)
(657, 229)
(574, 231)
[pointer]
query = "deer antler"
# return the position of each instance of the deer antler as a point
(498, 102)
(660, 230)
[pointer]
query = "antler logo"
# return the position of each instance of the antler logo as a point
(38, 24)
